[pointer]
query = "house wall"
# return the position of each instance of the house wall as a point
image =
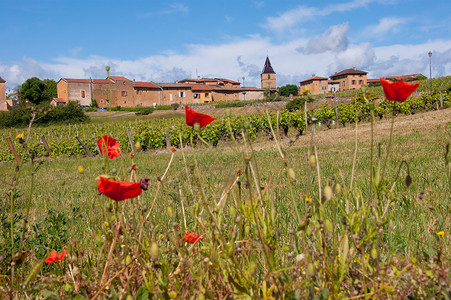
(147, 96)
(268, 81)
(122, 94)
(202, 96)
(62, 90)
(315, 87)
(225, 95)
(351, 82)
(76, 91)
(173, 95)
(252, 95)
(100, 93)
(2, 91)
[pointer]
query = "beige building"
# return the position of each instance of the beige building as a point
(268, 77)
(315, 85)
(2, 90)
(127, 93)
(350, 79)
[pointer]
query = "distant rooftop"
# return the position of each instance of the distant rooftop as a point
(267, 69)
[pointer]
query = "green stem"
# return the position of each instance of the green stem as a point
(389, 142)
(371, 154)
(28, 212)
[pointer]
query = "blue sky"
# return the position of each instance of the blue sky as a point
(173, 40)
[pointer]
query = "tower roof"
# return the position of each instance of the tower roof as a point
(267, 69)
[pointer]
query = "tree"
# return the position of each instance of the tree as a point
(289, 89)
(37, 91)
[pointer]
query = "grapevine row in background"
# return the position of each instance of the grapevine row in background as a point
(151, 134)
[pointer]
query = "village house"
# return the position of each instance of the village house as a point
(315, 85)
(128, 93)
(350, 79)
(5, 104)
(57, 102)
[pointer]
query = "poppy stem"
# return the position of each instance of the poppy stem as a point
(389, 142)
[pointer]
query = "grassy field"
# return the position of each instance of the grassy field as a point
(266, 230)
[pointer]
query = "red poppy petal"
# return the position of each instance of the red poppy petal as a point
(51, 258)
(398, 91)
(193, 117)
(119, 190)
(109, 146)
(61, 255)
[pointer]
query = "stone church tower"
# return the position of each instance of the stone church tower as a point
(268, 76)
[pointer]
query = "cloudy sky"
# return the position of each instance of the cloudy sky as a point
(165, 40)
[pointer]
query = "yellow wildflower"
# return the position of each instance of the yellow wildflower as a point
(305, 91)
(308, 199)
(19, 136)
(440, 233)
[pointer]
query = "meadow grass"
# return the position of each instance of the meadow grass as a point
(265, 239)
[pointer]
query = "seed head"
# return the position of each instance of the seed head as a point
(312, 161)
(328, 192)
(154, 251)
(291, 173)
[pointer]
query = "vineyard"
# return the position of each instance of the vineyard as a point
(150, 134)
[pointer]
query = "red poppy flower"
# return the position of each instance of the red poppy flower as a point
(193, 117)
(191, 237)
(109, 146)
(119, 190)
(398, 91)
(54, 256)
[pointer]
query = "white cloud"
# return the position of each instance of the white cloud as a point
(334, 39)
(385, 26)
(243, 57)
(302, 14)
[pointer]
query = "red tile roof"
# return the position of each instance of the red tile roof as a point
(118, 78)
(2, 80)
(352, 71)
(410, 76)
(227, 80)
(252, 88)
(173, 85)
(59, 100)
(314, 78)
(71, 80)
(200, 87)
(372, 80)
(146, 85)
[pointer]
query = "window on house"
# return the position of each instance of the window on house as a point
(353, 82)
(360, 81)
(124, 94)
(182, 94)
(269, 77)
(170, 97)
(207, 95)
(83, 94)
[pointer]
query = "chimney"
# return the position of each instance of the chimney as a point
(133, 82)
(354, 68)
(198, 77)
(313, 75)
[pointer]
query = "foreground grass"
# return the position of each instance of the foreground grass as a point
(265, 238)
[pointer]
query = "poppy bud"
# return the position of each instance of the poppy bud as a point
(328, 225)
(232, 211)
(107, 68)
(169, 210)
(312, 161)
(337, 188)
(144, 183)
(113, 171)
(311, 269)
(228, 112)
(374, 253)
(154, 251)
(408, 180)
(80, 169)
(138, 146)
(328, 192)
